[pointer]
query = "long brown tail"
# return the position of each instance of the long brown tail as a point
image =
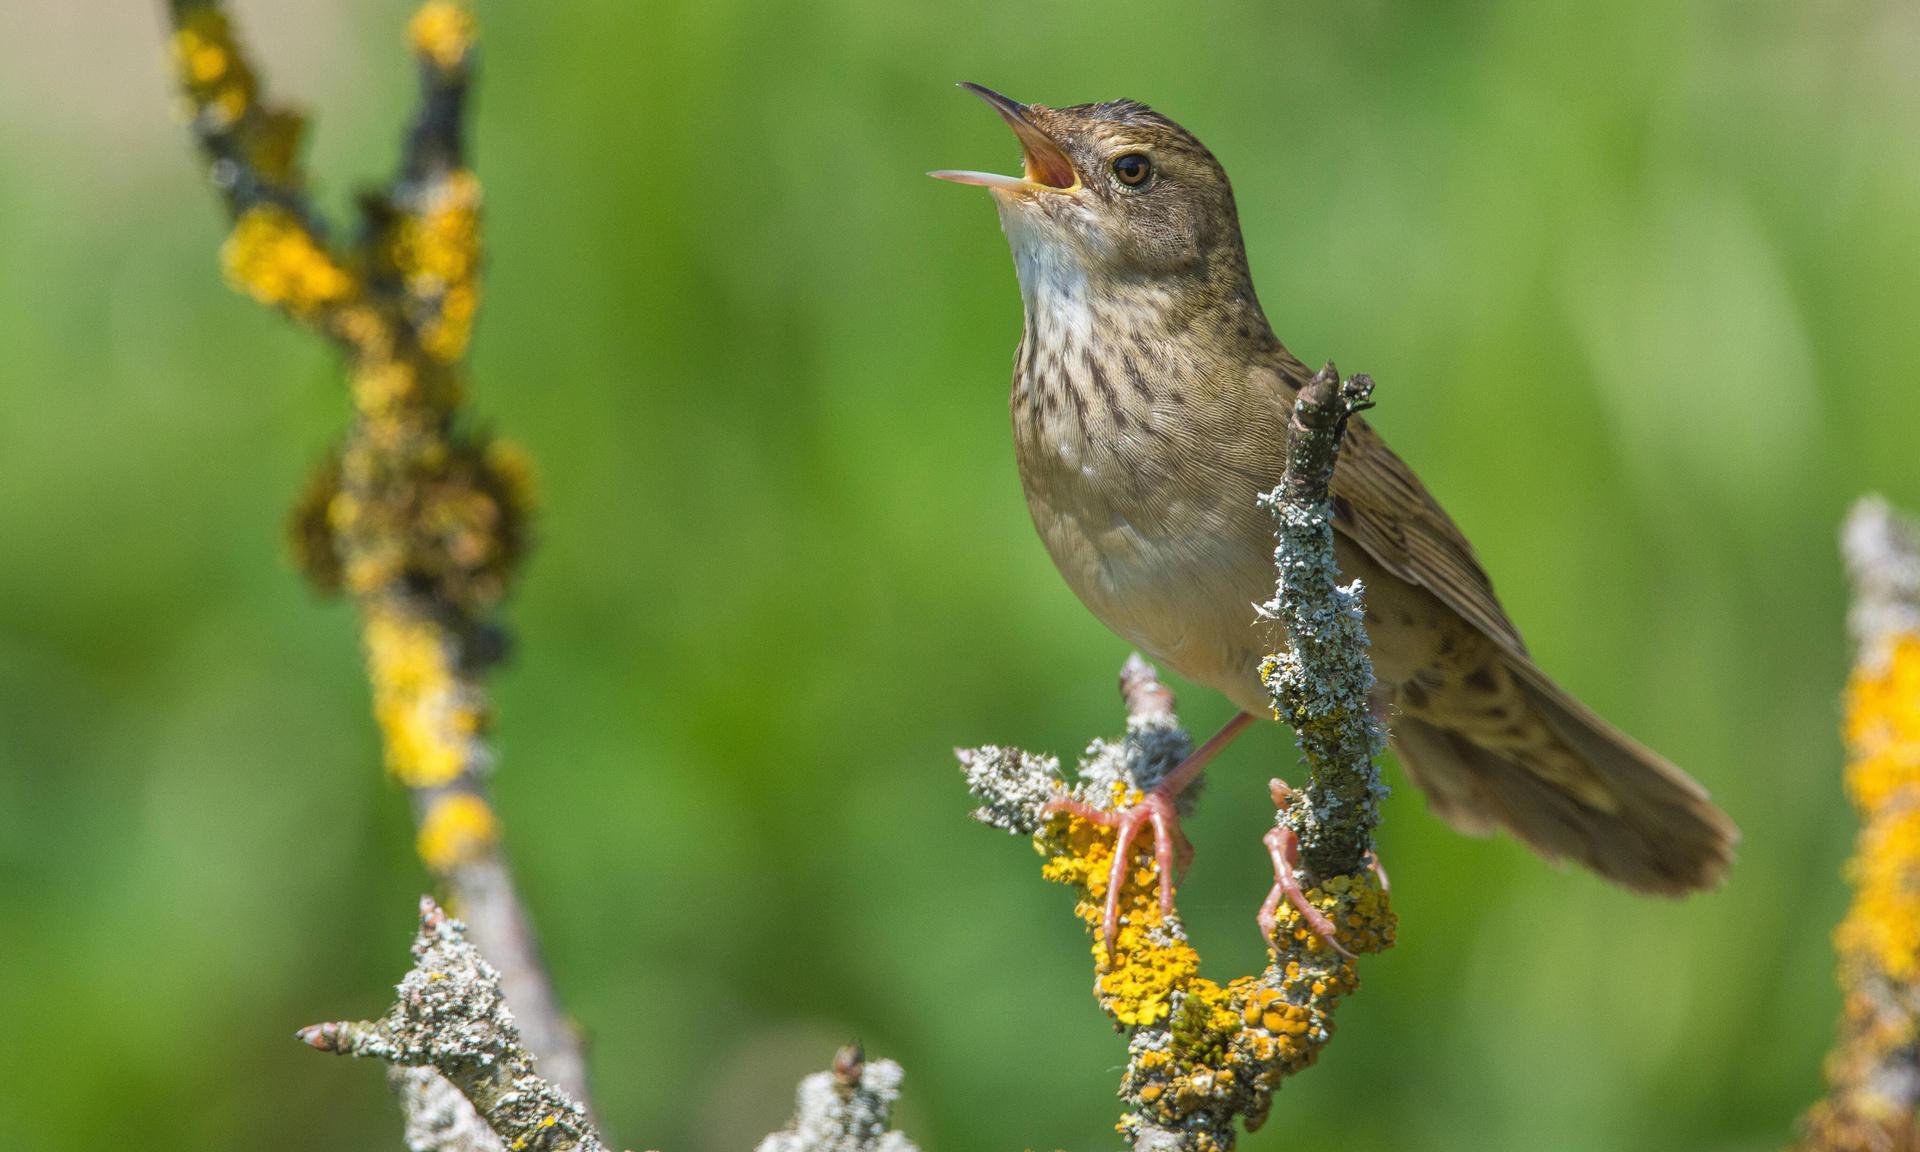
(1509, 748)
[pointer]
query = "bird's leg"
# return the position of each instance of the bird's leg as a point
(1171, 848)
(1283, 845)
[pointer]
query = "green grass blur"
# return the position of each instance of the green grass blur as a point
(1638, 282)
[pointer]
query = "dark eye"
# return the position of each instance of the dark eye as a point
(1132, 169)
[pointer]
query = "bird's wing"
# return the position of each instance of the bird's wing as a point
(1382, 506)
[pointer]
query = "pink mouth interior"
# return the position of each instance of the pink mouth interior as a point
(1045, 165)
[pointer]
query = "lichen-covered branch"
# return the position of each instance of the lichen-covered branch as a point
(450, 1016)
(469, 1083)
(1873, 1072)
(1322, 684)
(1202, 1056)
(252, 146)
(439, 1117)
(846, 1109)
(1881, 547)
(418, 516)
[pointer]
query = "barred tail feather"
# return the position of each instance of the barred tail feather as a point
(1625, 812)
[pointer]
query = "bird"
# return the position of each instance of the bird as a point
(1150, 403)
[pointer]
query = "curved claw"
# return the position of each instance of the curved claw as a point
(1284, 847)
(1379, 871)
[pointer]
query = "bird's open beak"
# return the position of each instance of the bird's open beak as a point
(1047, 167)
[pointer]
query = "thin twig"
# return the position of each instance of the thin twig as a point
(846, 1109)
(450, 1016)
(417, 516)
(1322, 684)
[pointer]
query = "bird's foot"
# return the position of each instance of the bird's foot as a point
(1283, 845)
(1171, 848)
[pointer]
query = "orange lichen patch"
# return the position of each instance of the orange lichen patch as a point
(1882, 929)
(273, 258)
(456, 829)
(1883, 926)
(1136, 984)
(1878, 944)
(1883, 726)
(1358, 907)
(1199, 1046)
(219, 83)
(1231, 1047)
(443, 32)
(428, 717)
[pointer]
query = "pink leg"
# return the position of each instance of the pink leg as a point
(1178, 779)
(1170, 845)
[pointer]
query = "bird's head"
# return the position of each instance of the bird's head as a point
(1112, 190)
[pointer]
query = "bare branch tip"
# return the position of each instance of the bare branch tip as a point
(326, 1037)
(848, 1063)
(432, 916)
(1145, 694)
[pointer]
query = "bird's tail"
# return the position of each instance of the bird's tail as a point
(1507, 747)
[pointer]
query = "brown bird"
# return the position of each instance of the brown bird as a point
(1150, 404)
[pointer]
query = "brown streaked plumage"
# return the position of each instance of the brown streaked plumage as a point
(1149, 405)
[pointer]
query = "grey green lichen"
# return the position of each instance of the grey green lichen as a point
(846, 1109)
(449, 1016)
(1322, 684)
(439, 1117)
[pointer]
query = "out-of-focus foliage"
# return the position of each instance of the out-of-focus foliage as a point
(1637, 280)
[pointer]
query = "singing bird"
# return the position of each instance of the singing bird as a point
(1150, 404)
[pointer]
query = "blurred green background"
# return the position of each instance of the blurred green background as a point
(1638, 280)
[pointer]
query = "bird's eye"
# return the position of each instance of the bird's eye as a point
(1132, 169)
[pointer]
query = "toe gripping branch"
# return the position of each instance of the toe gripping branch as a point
(1202, 1056)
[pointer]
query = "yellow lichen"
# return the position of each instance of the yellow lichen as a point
(1225, 1048)
(512, 469)
(1867, 1107)
(274, 258)
(427, 716)
(218, 82)
(1883, 726)
(1882, 929)
(436, 253)
(457, 828)
(384, 385)
(1136, 983)
(443, 32)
